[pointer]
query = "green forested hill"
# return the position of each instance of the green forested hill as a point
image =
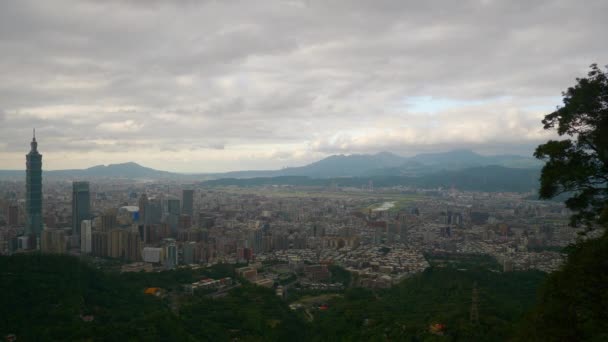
(44, 296)
(573, 302)
(438, 295)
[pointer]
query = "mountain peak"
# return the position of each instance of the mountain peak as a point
(387, 154)
(463, 151)
(127, 164)
(127, 169)
(118, 165)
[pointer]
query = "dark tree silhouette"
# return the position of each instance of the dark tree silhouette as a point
(578, 165)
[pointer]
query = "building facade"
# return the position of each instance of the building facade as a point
(188, 202)
(33, 190)
(13, 215)
(53, 241)
(86, 237)
(81, 205)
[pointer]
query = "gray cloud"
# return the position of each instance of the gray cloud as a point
(240, 84)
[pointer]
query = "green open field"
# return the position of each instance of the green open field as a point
(400, 202)
(376, 197)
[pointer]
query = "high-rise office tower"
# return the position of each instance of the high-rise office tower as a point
(33, 189)
(188, 251)
(86, 237)
(13, 215)
(171, 253)
(153, 211)
(255, 238)
(143, 203)
(187, 202)
(174, 210)
(173, 206)
(81, 205)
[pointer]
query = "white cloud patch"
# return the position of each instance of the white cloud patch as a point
(240, 85)
(127, 126)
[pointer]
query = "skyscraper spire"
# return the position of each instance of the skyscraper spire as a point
(34, 143)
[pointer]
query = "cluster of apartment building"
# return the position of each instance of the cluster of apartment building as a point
(370, 234)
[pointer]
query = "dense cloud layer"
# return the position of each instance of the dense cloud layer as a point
(218, 85)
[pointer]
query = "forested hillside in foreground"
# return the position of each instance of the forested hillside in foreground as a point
(46, 296)
(573, 302)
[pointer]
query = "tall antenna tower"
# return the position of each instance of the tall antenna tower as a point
(475, 305)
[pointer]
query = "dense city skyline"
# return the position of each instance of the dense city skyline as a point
(216, 88)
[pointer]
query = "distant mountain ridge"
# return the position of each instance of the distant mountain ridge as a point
(129, 170)
(354, 165)
(491, 178)
(346, 165)
(386, 163)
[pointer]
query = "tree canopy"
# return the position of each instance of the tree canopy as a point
(578, 165)
(45, 297)
(572, 303)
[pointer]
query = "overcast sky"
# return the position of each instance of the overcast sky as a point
(230, 85)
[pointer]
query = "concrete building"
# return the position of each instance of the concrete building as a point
(133, 247)
(53, 241)
(188, 202)
(152, 254)
(153, 211)
(173, 206)
(173, 213)
(117, 243)
(23, 242)
(81, 205)
(248, 272)
(185, 222)
(317, 272)
(255, 240)
(188, 252)
(127, 215)
(171, 254)
(99, 243)
(13, 215)
(142, 203)
(108, 221)
(86, 237)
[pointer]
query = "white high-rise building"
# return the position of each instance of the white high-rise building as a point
(171, 254)
(152, 254)
(85, 236)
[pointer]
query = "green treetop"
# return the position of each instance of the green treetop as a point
(578, 165)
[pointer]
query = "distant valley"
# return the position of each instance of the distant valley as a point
(462, 169)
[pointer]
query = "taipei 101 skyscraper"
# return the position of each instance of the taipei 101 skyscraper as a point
(33, 189)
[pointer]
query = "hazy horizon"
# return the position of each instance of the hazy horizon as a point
(264, 169)
(224, 86)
